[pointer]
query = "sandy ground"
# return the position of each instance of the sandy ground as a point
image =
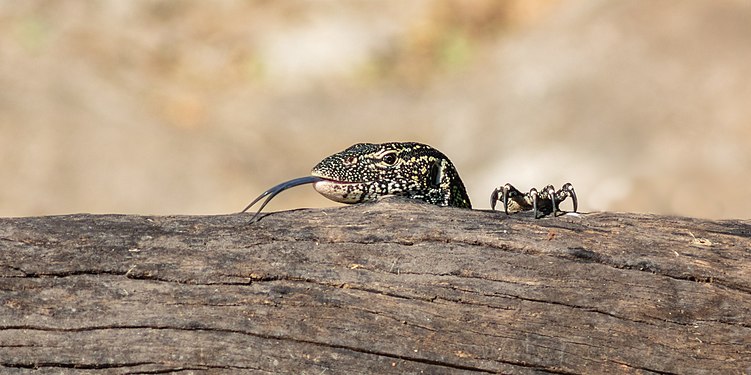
(193, 107)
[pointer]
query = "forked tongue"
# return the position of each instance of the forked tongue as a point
(271, 193)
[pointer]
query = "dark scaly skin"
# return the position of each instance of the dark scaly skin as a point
(367, 171)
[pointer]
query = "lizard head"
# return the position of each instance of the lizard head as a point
(367, 171)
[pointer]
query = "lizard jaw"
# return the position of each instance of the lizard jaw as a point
(342, 192)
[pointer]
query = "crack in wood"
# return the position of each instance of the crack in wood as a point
(642, 368)
(434, 362)
(171, 370)
(272, 278)
(79, 366)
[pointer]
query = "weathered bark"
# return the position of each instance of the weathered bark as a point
(391, 287)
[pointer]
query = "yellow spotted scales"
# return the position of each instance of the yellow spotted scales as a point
(367, 171)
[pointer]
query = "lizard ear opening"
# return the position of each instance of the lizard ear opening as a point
(436, 174)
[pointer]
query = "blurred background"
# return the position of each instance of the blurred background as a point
(196, 107)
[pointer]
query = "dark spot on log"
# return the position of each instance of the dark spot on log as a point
(582, 254)
(643, 265)
(281, 289)
(373, 238)
(736, 229)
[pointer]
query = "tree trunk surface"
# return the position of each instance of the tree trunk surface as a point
(390, 287)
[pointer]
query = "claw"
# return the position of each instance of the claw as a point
(493, 199)
(506, 192)
(567, 190)
(550, 190)
(570, 190)
(533, 193)
(278, 189)
(505, 198)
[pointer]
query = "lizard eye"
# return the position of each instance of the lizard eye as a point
(389, 159)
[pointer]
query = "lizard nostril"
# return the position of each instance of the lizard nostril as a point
(350, 160)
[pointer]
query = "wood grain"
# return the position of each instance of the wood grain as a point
(391, 287)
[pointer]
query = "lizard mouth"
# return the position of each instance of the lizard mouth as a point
(340, 191)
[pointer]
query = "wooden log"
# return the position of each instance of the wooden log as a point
(391, 287)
